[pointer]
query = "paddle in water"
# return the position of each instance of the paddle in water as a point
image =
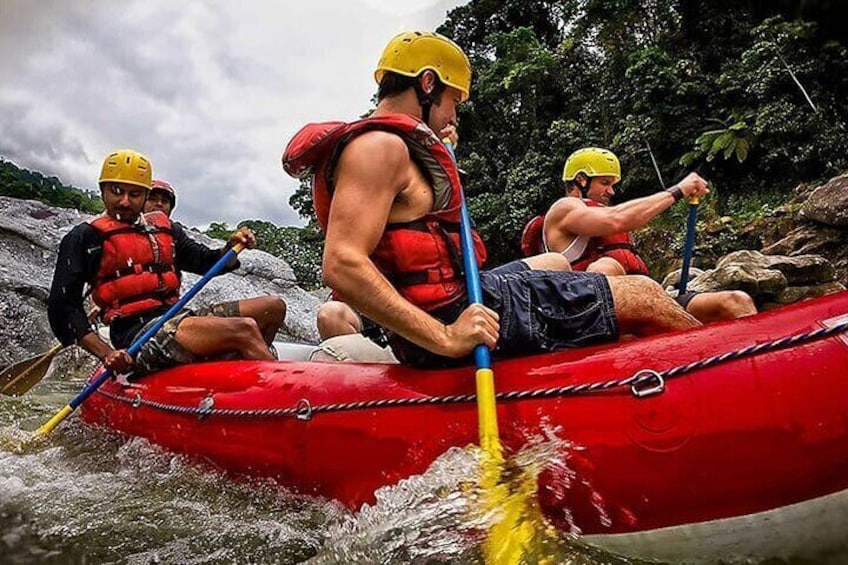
(137, 344)
(18, 378)
(513, 503)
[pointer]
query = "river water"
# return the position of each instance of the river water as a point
(87, 496)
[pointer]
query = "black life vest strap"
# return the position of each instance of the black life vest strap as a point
(157, 268)
(423, 226)
(156, 295)
(614, 246)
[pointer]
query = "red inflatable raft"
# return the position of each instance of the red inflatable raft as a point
(736, 444)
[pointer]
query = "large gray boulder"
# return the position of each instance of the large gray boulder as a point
(770, 280)
(828, 204)
(798, 270)
(29, 239)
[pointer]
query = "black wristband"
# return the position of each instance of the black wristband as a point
(676, 191)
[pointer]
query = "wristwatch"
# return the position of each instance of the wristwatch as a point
(675, 191)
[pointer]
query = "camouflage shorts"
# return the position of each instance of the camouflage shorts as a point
(162, 350)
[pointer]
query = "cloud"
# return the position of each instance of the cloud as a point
(210, 92)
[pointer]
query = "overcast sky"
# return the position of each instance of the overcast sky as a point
(210, 91)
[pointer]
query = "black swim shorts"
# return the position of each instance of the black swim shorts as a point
(539, 311)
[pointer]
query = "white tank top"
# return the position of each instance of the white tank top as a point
(574, 250)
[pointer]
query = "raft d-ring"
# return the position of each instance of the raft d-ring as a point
(647, 383)
(205, 407)
(136, 400)
(303, 411)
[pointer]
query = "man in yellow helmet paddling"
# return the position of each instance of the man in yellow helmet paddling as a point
(131, 261)
(387, 193)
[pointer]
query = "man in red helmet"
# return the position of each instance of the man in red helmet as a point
(131, 260)
(387, 193)
(595, 237)
(162, 197)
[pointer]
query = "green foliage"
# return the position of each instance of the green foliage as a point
(301, 201)
(29, 185)
(634, 74)
(301, 248)
(736, 138)
(220, 230)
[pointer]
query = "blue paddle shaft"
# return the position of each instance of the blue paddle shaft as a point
(691, 220)
(145, 337)
(482, 356)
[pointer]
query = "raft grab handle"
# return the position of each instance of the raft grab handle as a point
(648, 383)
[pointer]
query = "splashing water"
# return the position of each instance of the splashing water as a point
(85, 495)
(442, 516)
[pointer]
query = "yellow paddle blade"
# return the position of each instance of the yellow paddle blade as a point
(19, 378)
(517, 533)
(18, 441)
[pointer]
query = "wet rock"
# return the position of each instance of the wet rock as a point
(814, 221)
(672, 280)
(768, 279)
(809, 238)
(799, 270)
(758, 282)
(828, 204)
(796, 293)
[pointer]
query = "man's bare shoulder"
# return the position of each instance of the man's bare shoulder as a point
(378, 146)
(565, 205)
(374, 161)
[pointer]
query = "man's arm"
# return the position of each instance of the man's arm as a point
(78, 259)
(372, 171)
(571, 215)
(196, 258)
(78, 254)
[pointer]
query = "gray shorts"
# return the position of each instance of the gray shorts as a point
(162, 350)
(539, 311)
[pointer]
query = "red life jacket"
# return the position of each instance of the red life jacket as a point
(421, 258)
(618, 246)
(137, 271)
(533, 237)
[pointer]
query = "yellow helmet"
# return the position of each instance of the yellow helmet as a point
(592, 162)
(411, 52)
(126, 165)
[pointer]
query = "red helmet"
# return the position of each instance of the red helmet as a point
(166, 188)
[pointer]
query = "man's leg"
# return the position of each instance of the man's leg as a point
(210, 336)
(606, 266)
(337, 318)
(268, 312)
(723, 305)
(548, 262)
(643, 308)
